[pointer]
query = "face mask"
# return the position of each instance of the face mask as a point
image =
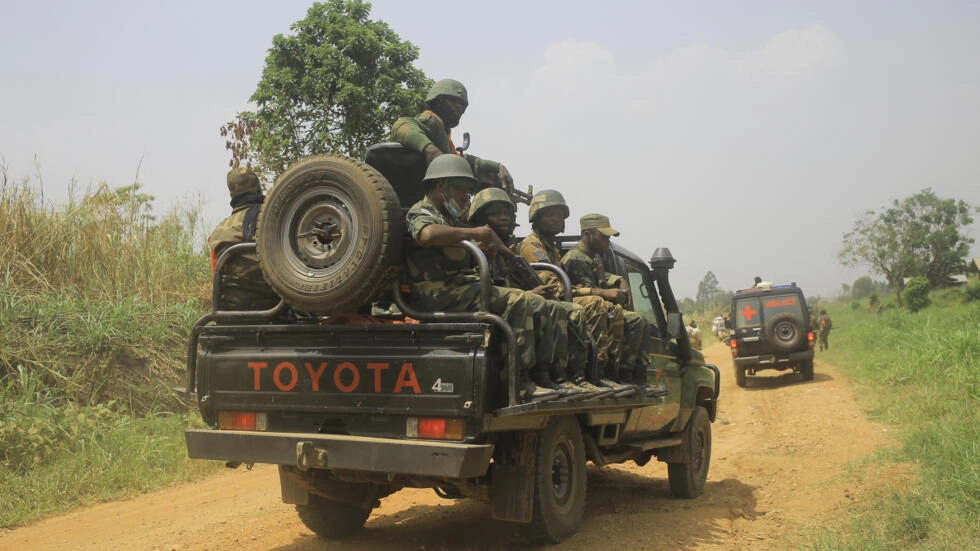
(457, 210)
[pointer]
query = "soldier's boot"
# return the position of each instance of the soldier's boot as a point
(529, 391)
(568, 391)
(595, 392)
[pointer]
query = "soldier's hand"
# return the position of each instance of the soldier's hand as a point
(547, 291)
(489, 240)
(505, 180)
(431, 152)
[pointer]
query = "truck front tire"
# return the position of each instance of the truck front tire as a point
(687, 479)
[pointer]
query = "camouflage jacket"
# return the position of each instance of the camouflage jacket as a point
(447, 264)
(242, 282)
(427, 128)
(585, 271)
(535, 249)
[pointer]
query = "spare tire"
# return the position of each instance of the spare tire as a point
(329, 235)
(785, 332)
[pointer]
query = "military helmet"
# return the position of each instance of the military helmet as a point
(449, 166)
(448, 87)
(545, 199)
(242, 179)
(486, 197)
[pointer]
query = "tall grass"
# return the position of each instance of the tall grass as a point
(96, 299)
(918, 373)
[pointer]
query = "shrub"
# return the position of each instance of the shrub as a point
(972, 291)
(916, 294)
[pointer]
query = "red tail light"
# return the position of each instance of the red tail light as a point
(734, 344)
(811, 339)
(242, 420)
(433, 428)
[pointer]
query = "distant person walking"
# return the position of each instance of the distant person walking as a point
(825, 326)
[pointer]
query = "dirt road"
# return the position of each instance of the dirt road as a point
(780, 464)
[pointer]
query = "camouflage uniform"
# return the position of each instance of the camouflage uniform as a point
(825, 326)
(427, 128)
(630, 331)
(595, 313)
(443, 279)
(242, 284)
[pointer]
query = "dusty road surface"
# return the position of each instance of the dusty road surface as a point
(781, 463)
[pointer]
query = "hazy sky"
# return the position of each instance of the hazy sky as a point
(746, 136)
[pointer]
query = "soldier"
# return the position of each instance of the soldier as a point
(242, 284)
(442, 278)
(604, 320)
(825, 326)
(430, 132)
(584, 266)
(694, 334)
(492, 206)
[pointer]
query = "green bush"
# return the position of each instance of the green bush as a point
(972, 291)
(916, 294)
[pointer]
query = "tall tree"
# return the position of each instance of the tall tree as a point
(335, 84)
(921, 235)
(707, 289)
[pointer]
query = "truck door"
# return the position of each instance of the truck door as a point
(664, 368)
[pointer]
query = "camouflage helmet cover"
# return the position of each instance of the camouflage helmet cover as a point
(544, 199)
(486, 197)
(448, 87)
(242, 179)
(450, 166)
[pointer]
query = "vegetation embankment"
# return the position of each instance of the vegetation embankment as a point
(96, 299)
(917, 373)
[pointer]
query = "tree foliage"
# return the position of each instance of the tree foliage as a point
(707, 289)
(335, 84)
(916, 294)
(921, 235)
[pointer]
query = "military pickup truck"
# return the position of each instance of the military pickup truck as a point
(353, 407)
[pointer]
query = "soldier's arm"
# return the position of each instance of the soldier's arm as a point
(408, 132)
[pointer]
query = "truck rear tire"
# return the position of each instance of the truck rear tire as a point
(806, 369)
(687, 479)
(332, 519)
(740, 376)
(329, 235)
(559, 482)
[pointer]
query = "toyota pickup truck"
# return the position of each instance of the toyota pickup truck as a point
(355, 395)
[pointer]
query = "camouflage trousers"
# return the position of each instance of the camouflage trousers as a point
(538, 324)
(572, 349)
(595, 318)
(629, 333)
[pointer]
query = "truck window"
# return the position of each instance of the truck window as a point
(641, 294)
(747, 313)
(784, 304)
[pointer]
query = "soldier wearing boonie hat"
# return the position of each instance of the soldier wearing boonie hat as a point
(242, 284)
(628, 358)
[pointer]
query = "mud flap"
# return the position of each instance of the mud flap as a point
(512, 479)
(293, 493)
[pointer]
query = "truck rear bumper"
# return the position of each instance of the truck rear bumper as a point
(769, 361)
(357, 453)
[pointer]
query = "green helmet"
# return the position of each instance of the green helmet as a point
(448, 87)
(486, 197)
(449, 166)
(545, 199)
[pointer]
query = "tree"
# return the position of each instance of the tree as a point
(862, 287)
(334, 85)
(707, 289)
(918, 236)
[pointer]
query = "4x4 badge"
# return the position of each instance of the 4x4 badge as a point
(440, 386)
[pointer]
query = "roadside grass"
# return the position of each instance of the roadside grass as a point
(917, 373)
(96, 300)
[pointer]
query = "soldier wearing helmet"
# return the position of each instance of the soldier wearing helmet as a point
(242, 284)
(442, 277)
(628, 359)
(604, 319)
(430, 132)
